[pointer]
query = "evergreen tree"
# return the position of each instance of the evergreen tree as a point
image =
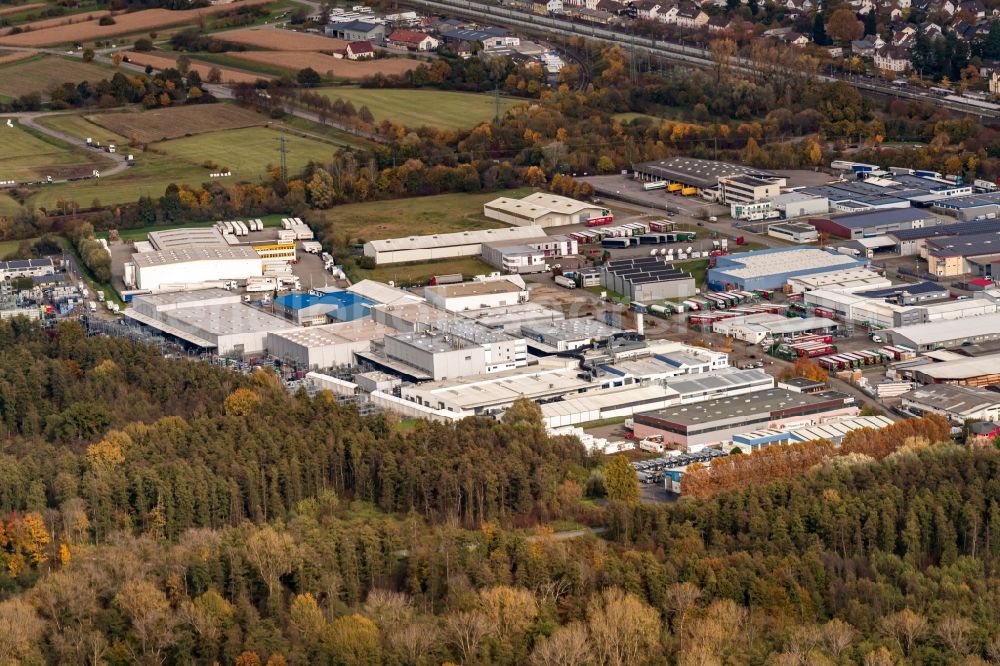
(620, 481)
(871, 24)
(819, 30)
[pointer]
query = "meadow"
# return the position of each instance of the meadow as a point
(442, 213)
(30, 157)
(175, 122)
(405, 275)
(42, 74)
(80, 127)
(416, 108)
(246, 152)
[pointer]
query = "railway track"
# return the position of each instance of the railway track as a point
(671, 51)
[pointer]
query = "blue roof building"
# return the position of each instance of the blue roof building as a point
(770, 269)
(311, 309)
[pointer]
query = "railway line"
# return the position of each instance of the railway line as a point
(682, 53)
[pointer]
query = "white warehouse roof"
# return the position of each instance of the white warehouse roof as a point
(538, 204)
(434, 241)
(951, 329)
(760, 264)
(183, 255)
(957, 370)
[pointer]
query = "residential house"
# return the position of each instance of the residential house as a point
(412, 40)
(892, 59)
(904, 37)
(974, 7)
(933, 31)
(867, 46)
(718, 24)
(995, 82)
(359, 51)
(647, 10)
(690, 16)
(600, 16)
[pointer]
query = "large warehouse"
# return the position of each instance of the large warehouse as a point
(209, 319)
(719, 420)
(444, 246)
(697, 173)
(194, 265)
(875, 223)
(947, 334)
(322, 308)
(770, 269)
(327, 346)
(961, 255)
(544, 209)
(477, 294)
(647, 279)
(976, 371)
(914, 241)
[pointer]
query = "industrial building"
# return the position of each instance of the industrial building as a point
(973, 371)
(962, 255)
(797, 204)
(511, 318)
(325, 346)
(20, 268)
(851, 280)
(544, 209)
(971, 207)
(749, 189)
(408, 317)
(833, 430)
(564, 335)
(875, 223)
(757, 328)
(163, 269)
(453, 348)
(529, 255)
(477, 294)
(630, 399)
(383, 293)
(956, 402)
(663, 361)
(947, 334)
(771, 269)
(911, 242)
(647, 279)
(491, 394)
(208, 319)
(185, 239)
(697, 173)
(444, 246)
(719, 420)
(877, 312)
(884, 191)
(794, 232)
(314, 308)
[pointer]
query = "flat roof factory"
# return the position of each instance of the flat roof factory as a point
(703, 174)
(947, 334)
(770, 269)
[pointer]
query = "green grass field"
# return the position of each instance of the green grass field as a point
(420, 215)
(27, 156)
(419, 274)
(45, 73)
(79, 127)
(246, 152)
(6, 247)
(415, 108)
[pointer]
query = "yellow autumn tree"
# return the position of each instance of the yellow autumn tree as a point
(241, 402)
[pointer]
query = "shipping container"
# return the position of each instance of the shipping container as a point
(674, 187)
(689, 191)
(598, 221)
(451, 278)
(655, 185)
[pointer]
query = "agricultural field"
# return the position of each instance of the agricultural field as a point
(282, 40)
(246, 152)
(176, 122)
(7, 57)
(57, 21)
(415, 108)
(352, 70)
(17, 9)
(42, 74)
(78, 127)
(163, 61)
(30, 157)
(442, 213)
(134, 22)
